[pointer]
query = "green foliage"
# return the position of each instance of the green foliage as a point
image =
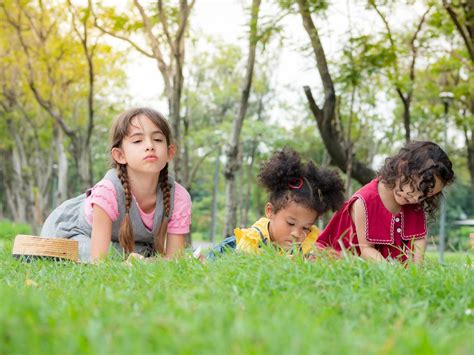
(364, 74)
(9, 230)
(237, 304)
(315, 6)
(458, 238)
(363, 56)
(459, 197)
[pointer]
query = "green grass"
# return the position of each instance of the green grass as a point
(9, 230)
(450, 257)
(236, 305)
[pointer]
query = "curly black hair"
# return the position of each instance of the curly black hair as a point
(417, 164)
(288, 179)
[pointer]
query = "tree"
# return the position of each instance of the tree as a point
(462, 15)
(165, 29)
(404, 82)
(47, 102)
(233, 160)
(26, 135)
(52, 63)
(325, 116)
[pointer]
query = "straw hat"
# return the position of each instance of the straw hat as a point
(30, 246)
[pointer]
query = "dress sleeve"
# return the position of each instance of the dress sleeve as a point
(180, 220)
(103, 194)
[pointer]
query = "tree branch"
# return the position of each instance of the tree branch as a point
(155, 46)
(46, 104)
(123, 38)
(83, 38)
(164, 24)
(414, 49)
(463, 30)
(317, 112)
(185, 11)
(321, 62)
(196, 167)
(390, 37)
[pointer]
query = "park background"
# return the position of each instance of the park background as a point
(344, 82)
(236, 85)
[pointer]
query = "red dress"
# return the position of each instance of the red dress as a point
(392, 235)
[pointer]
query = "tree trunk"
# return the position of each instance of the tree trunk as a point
(462, 16)
(231, 168)
(233, 162)
(470, 159)
(350, 147)
(176, 119)
(406, 101)
(21, 184)
(249, 186)
(42, 172)
(325, 117)
(84, 167)
(61, 194)
(80, 142)
(215, 189)
(405, 98)
(17, 189)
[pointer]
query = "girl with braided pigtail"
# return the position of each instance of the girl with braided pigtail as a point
(299, 194)
(137, 207)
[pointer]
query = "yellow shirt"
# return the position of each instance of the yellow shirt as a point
(249, 239)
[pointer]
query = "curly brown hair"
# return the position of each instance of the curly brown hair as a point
(119, 131)
(288, 179)
(418, 164)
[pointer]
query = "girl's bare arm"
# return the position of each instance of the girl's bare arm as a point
(174, 244)
(367, 250)
(419, 248)
(101, 233)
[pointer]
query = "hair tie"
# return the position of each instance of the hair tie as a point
(295, 184)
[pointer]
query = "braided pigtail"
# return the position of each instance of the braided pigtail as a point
(126, 237)
(160, 236)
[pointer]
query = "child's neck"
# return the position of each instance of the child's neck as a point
(143, 187)
(388, 199)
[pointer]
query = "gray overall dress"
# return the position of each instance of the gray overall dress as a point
(68, 220)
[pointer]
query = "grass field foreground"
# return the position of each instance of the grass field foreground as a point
(236, 305)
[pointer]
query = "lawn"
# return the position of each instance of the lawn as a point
(236, 305)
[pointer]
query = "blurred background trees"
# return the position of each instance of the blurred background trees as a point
(369, 89)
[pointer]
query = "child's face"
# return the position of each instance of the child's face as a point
(407, 196)
(144, 149)
(290, 224)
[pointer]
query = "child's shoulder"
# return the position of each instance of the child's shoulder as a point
(180, 191)
(104, 187)
(368, 191)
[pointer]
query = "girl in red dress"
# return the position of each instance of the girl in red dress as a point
(386, 219)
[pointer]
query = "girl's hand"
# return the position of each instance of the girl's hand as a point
(132, 257)
(310, 257)
(198, 255)
(135, 256)
(419, 250)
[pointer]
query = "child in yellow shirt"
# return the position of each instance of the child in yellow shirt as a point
(299, 194)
